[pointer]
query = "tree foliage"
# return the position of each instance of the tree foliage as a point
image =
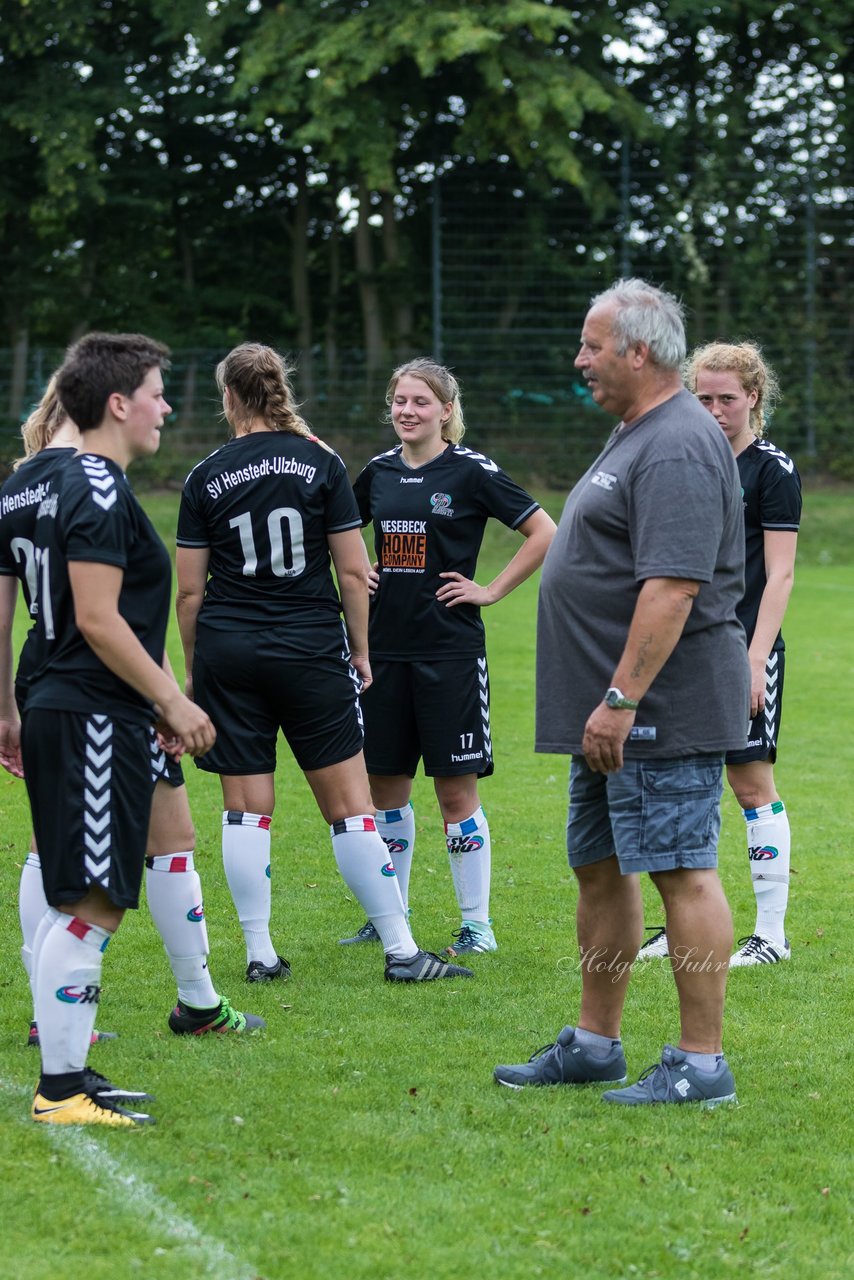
(216, 168)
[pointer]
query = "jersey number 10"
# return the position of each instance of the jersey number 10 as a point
(275, 520)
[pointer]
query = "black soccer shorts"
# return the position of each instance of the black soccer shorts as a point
(764, 729)
(435, 711)
(164, 768)
(89, 782)
(252, 684)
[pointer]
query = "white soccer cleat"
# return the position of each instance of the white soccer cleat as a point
(758, 950)
(655, 948)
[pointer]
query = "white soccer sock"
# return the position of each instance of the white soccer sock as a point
(246, 859)
(32, 904)
(469, 853)
(397, 828)
(174, 893)
(68, 987)
(366, 869)
(769, 844)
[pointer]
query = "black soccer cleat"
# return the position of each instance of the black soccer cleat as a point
(257, 971)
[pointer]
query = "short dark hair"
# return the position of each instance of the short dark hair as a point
(100, 364)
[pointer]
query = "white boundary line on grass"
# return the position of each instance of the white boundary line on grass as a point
(132, 1194)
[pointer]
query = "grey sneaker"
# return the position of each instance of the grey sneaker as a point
(367, 933)
(565, 1062)
(675, 1080)
(424, 966)
(655, 948)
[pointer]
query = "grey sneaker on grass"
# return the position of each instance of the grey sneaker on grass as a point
(424, 966)
(367, 933)
(674, 1079)
(565, 1062)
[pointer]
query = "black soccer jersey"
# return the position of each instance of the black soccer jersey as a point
(19, 501)
(264, 504)
(430, 520)
(91, 515)
(771, 489)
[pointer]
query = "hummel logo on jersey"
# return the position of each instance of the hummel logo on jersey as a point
(784, 460)
(480, 458)
(604, 480)
(762, 853)
(411, 479)
(102, 482)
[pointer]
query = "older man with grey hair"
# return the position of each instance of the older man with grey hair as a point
(643, 677)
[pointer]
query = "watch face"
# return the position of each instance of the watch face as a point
(618, 701)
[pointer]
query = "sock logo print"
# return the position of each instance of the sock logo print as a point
(762, 853)
(388, 869)
(79, 995)
(196, 914)
(395, 846)
(458, 845)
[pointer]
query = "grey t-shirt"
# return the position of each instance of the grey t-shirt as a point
(662, 500)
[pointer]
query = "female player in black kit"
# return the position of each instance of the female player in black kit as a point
(173, 888)
(738, 387)
(260, 621)
(98, 682)
(429, 499)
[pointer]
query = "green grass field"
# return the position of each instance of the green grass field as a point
(362, 1136)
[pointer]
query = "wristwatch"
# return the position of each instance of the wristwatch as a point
(618, 701)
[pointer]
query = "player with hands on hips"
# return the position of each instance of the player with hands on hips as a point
(429, 500)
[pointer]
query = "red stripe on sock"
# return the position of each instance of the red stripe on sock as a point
(78, 927)
(178, 864)
(264, 822)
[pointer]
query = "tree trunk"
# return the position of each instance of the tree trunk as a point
(20, 360)
(369, 294)
(332, 303)
(402, 313)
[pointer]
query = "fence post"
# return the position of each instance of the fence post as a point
(809, 299)
(436, 265)
(625, 207)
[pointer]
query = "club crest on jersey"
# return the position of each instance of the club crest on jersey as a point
(388, 869)
(441, 504)
(464, 844)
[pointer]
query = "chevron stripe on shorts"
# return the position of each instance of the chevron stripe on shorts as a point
(483, 693)
(97, 797)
